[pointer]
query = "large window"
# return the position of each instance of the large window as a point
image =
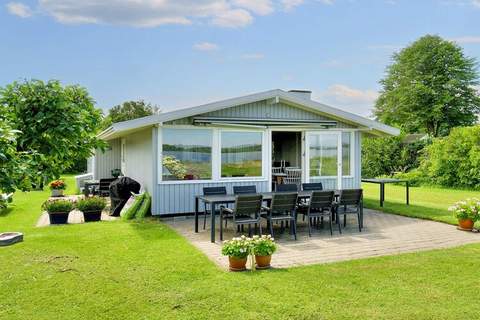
(346, 153)
(241, 154)
(187, 154)
(323, 155)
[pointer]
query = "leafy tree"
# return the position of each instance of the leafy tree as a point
(55, 124)
(128, 110)
(429, 88)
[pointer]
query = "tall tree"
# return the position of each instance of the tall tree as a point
(128, 110)
(56, 124)
(429, 88)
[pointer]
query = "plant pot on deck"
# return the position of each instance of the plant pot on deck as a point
(91, 216)
(263, 262)
(465, 224)
(57, 192)
(58, 217)
(237, 264)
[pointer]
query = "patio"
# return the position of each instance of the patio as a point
(383, 234)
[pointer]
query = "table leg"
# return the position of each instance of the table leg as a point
(382, 194)
(212, 223)
(408, 192)
(196, 215)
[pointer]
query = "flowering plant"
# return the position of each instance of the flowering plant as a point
(239, 247)
(175, 166)
(58, 185)
(263, 245)
(467, 209)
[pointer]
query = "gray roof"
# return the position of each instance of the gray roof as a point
(122, 128)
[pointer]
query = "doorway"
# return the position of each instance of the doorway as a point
(286, 153)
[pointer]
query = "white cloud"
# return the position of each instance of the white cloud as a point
(354, 100)
(253, 56)
(476, 3)
(205, 46)
(260, 7)
(19, 9)
(233, 18)
(290, 4)
(467, 39)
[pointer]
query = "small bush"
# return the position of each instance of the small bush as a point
(237, 247)
(264, 245)
(56, 206)
(91, 204)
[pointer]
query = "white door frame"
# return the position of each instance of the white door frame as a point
(339, 154)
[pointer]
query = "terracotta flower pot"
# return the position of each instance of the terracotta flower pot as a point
(57, 193)
(466, 224)
(263, 262)
(237, 264)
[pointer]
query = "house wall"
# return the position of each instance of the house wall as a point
(263, 109)
(106, 161)
(139, 158)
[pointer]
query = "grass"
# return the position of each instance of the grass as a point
(144, 270)
(425, 202)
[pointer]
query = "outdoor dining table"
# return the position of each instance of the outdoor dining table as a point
(384, 181)
(215, 200)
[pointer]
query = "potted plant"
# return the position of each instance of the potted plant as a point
(467, 212)
(263, 248)
(57, 188)
(92, 208)
(58, 210)
(116, 173)
(237, 251)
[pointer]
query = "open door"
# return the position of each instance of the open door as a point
(323, 158)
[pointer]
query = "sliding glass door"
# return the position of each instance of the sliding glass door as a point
(323, 158)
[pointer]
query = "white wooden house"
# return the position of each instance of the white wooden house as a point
(236, 142)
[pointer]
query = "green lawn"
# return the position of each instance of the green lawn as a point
(425, 202)
(118, 270)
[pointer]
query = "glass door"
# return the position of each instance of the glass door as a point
(323, 158)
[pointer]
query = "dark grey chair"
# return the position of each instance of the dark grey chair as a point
(287, 188)
(246, 212)
(321, 205)
(351, 202)
(312, 186)
(104, 186)
(244, 189)
(211, 191)
(282, 209)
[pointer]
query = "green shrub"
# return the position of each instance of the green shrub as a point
(91, 204)
(137, 203)
(386, 156)
(56, 206)
(145, 207)
(454, 161)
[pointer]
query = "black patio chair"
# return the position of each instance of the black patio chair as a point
(351, 202)
(246, 212)
(244, 189)
(287, 188)
(282, 209)
(104, 186)
(312, 186)
(211, 191)
(321, 205)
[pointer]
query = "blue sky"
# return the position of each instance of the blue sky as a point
(187, 52)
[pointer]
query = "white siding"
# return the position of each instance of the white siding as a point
(139, 158)
(106, 161)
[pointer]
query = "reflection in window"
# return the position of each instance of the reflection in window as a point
(346, 136)
(187, 154)
(241, 154)
(323, 155)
